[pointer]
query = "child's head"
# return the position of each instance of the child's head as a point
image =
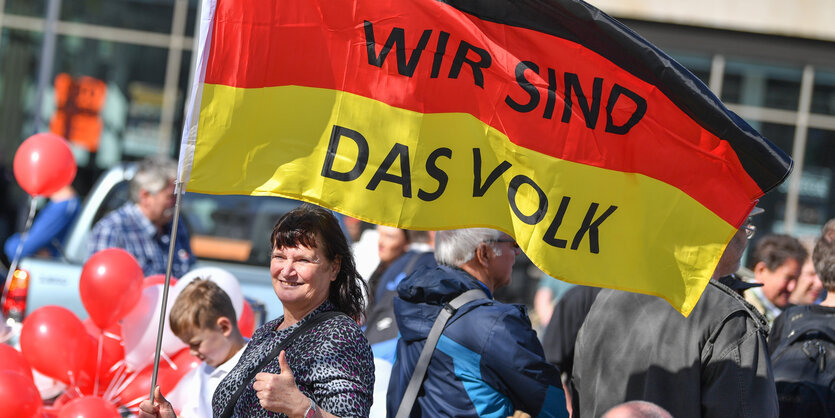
(204, 318)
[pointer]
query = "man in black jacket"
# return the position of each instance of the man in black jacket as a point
(713, 363)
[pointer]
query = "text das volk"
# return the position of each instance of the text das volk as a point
(400, 154)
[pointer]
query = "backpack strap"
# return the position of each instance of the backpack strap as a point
(419, 373)
(229, 409)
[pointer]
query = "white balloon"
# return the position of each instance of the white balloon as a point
(224, 279)
(140, 327)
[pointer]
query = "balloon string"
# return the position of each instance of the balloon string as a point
(134, 402)
(117, 370)
(73, 393)
(98, 364)
(115, 366)
(114, 391)
(168, 360)
(127, 382)
(117, 378)
(73, 385)
(33, 205)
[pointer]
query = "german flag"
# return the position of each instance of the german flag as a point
(610, 163)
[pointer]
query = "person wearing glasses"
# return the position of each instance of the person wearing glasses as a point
(142, 226)
(488, 360)
(713, 363)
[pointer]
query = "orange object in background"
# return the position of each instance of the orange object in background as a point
(79, 102)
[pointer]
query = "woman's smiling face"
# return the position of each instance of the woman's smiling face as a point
(302, 277)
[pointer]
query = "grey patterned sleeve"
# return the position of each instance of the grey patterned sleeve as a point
(342, 374)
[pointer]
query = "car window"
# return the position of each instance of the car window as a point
(233, 228)
(116, 197)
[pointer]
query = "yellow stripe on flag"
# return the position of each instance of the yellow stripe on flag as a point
(282, 138)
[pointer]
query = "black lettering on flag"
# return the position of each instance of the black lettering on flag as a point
(551, 234)
(478, 188)
(461, 57)
(590, 111)
(513, 188)
(433, 170)
(443, 38)
(397, 39)
(551, 101)
(640, 110)
(333, 145)
(525, 85)
(398, 151)
(591, 226)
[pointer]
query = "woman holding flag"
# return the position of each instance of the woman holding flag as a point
(314, 360)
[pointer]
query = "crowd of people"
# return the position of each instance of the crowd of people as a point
(384, 321)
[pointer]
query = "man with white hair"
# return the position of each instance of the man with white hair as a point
(142, 226)
(487, 361)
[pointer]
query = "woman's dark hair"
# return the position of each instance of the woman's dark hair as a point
(302, 226)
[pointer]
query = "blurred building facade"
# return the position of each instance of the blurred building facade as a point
(772, 62)
(140, 50)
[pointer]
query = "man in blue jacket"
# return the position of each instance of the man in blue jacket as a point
(488, 362)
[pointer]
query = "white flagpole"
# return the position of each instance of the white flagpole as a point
(207, 12)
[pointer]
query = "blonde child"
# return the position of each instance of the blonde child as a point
(204, 318)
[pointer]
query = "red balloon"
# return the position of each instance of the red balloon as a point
(43, 164)
(48, 412)
(246, 323)
(89, 407)
(63, 399)
(112, 352)
(110, 285)
(19, 398)
(53, 340)
(12, 360)
(157, 279)
(138, 387)
(169, 375)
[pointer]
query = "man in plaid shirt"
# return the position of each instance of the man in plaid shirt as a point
(143, 226)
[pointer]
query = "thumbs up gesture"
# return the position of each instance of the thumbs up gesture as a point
(279, 393)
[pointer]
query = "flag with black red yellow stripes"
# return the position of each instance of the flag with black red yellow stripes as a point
(610, 164)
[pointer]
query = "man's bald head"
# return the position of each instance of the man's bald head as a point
(637, 409)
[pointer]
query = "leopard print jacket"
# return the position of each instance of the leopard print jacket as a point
(332, 364)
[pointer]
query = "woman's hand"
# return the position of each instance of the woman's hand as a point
(279, 393)
(161, 408)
